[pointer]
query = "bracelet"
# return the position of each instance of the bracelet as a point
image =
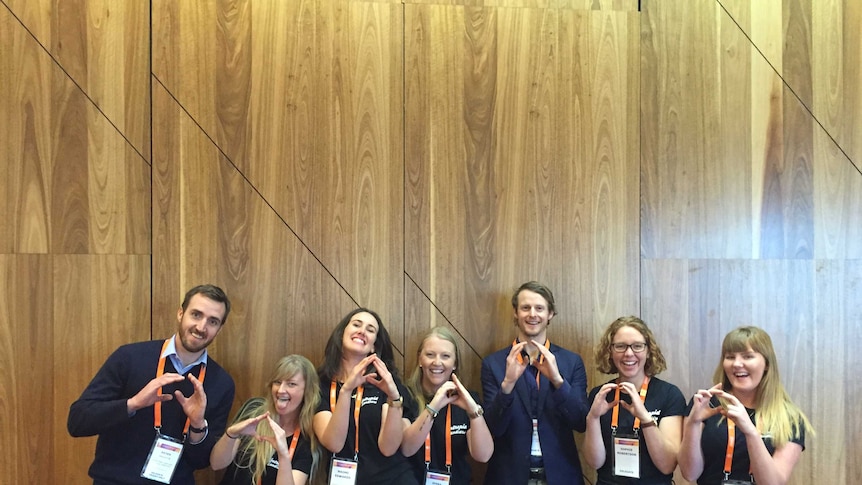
(229, 436)
(431, 410)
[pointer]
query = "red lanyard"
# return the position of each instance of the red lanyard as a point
(616, 414)
(290, 452)
(541, 358)
(157, 407)
(448, 442)
(356, 406)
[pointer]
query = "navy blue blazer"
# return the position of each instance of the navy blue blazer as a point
(560, 411)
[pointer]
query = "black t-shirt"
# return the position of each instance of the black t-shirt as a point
(461, 471)
(713, 443)
(373, 467)
(238, 472)
(663, 399)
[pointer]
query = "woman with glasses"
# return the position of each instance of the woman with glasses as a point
(744, 428)
(634, 427)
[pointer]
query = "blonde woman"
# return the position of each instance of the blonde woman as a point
(449, 416)
(271, 441)
(747, 416)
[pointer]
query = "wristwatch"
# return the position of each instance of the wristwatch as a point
(396, 403)
(649, 424)
(199, 430)
(479, 412)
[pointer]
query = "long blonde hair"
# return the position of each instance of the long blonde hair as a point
(776, 413)
(258, 453)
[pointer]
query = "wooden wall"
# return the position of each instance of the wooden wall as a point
(696, 162)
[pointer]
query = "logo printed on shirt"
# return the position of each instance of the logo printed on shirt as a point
(458, 429)
(370, 400)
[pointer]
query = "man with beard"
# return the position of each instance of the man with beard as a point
(535, 396)
(159, 407)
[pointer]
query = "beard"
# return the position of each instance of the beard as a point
(191, 343)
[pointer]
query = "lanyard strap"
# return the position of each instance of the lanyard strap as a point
(616, 414)
(356, 406)
(448, 441)
(157, 407)
(731, 443)
(541, 358)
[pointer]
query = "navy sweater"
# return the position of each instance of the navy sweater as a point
(125, 441)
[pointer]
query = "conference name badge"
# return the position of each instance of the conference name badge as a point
(627, 457)
(437, 478)
(163, 459)
(343, 471)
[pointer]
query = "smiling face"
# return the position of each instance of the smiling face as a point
(199, 323)
(287, 394)
(437, 360)
(744, 371)
(360, 334)
(532, 316)
(629, 364)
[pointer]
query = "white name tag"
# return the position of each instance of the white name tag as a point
(535, 447)
(437, 478)
(343, 471)
(627, 457)
(163, 459)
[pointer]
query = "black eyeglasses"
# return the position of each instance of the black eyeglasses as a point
(636, 347)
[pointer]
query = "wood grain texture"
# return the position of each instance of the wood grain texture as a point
(99, 302)
(104, 47)
(26, 338)
(318, 135)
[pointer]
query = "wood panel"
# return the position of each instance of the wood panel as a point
(552, 88)
(26, 345)
(318, 135)
(103, 46)
(99, 302)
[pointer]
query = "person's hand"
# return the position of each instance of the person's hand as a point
(278, 440)
(700, 408)
(548, 365)
(382, 378)
(600, 404)
(636, 408)
(735, 411)
(149, 395)
(462, 397)
(515, 367)
(246, 427)
(195, 405)
(357, 375)
(446, 394)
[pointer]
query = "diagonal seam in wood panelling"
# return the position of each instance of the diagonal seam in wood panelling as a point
(787, 85)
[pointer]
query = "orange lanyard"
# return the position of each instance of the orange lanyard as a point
(290, 452)
(731, 443)
(157, 407)
(356, 406)
(616, 414)
(541, 358)
(448, 442)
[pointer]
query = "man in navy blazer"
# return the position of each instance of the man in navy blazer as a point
(535, 395)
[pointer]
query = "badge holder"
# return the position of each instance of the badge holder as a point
(627, 459)
(343, 471)
(735, 482)
(163, 458)
(436, 477)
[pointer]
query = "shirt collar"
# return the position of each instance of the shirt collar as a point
(171, 352)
